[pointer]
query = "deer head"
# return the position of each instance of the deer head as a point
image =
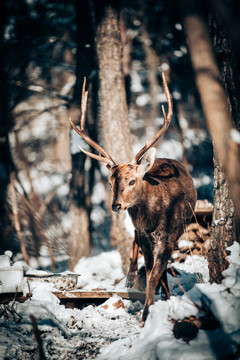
(125, 179)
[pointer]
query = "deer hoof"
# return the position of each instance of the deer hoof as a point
(129, 284)
(130, 280)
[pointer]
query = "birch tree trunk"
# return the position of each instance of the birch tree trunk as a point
(114, 113)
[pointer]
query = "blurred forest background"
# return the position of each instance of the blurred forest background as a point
(54, 202)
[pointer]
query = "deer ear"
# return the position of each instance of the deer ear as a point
(147, 160)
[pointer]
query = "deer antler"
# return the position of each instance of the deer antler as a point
(105, 156)
(167, 120)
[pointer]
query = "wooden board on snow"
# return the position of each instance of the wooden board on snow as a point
(19, 297)
(203, 208)
(99, 294)
(203, 211)
(81, 298)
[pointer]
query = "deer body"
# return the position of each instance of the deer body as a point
(168, 194)
(159, 196)
(159, 199)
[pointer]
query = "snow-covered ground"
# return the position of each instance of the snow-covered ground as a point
(113, 330)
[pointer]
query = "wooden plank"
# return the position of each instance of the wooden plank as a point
(99, 294)
(6, 298)
(203, 211)
(81, 295)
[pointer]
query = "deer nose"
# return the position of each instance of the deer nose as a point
(116, 207)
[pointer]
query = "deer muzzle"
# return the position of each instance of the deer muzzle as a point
(116, 207)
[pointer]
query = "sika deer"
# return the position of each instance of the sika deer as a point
(159, 195)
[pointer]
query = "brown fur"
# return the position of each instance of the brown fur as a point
(159, 202)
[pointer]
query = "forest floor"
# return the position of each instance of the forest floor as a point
(199, 321)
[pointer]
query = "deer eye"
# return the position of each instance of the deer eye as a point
(132, 182)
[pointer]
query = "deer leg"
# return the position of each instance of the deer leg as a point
(132, 272)
(159, 267)
(164, 284)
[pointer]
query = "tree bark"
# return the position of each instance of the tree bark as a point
(79, 236)
(227, 54)
(5, 157)
(79, 245)
(214, 101)
(113, 107)
(219, 122)
(224, 228)
(17, 220)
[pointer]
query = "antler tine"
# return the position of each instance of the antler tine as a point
(97, 157)
(167, 120)
(83, 105)
(106, 157)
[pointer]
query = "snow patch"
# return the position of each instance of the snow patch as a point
(112, 330)
(99, 271)
(235, 135)
(185, 243)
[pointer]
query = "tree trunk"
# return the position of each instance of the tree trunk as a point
(79, 237)
(114, 113)
(224, 229)
(79, 245)
(5, 158)
(219, 122)
(213, 98)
